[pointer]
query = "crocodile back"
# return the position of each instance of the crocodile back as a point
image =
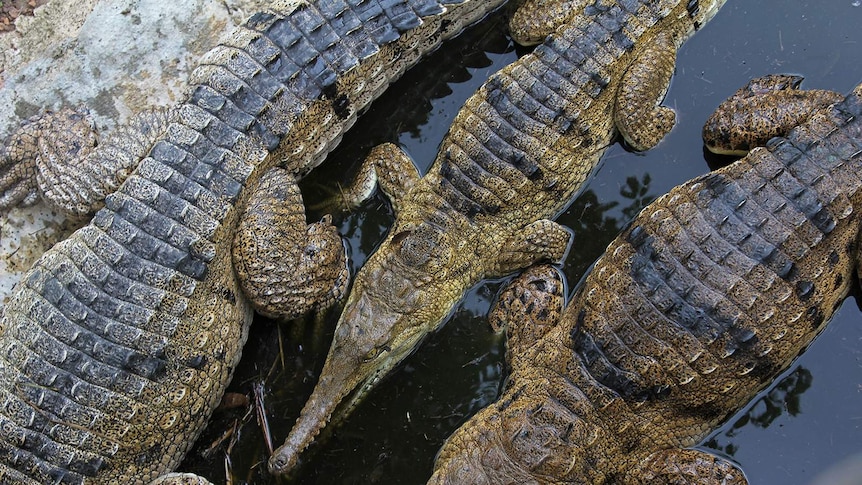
(719, 284)
(536, 129)
(517, 152)
(120, 341)
(701, 302)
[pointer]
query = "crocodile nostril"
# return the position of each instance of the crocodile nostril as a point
(277, 464)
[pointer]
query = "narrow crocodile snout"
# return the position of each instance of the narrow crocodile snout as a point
(517, 152)
(382, 322)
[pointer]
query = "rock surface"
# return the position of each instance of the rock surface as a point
(11, 10)
(116, 57)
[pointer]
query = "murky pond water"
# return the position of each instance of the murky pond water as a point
(808, 420)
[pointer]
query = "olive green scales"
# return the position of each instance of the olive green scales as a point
(515, 155)
(120, 340)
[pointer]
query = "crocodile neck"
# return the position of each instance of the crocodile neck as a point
(121, 339)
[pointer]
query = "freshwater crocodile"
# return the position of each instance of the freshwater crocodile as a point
(285, 267)
(701, 302)
(120, 340)
(516, 154)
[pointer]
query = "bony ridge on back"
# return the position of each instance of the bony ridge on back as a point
(707, 297)
(516, 154)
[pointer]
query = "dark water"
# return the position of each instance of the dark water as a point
(808, 420)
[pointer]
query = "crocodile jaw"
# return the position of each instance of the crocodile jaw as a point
(370, 339)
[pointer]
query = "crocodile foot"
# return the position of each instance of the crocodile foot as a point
(528, 307)
(536, 19)
(766, 107)
(56, 157)
(387, 167)
(269, 236)
(39, 147)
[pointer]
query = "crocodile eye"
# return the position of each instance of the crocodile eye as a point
(375, 353)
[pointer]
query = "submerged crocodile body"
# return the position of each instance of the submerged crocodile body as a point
(709, 295)
(516, 154)
(120, 340)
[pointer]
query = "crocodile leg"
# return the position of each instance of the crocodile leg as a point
(542, 240)
(18, 170)
(685, 467)
(766, 107)
(386, 166)
(38, 142)
(56, 157)
(528, 308)
(639, 117)
(536, 19)
(286, 273)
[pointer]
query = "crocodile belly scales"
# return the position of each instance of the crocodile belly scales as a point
(121, 339)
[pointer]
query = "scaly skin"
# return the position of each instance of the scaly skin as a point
(708, 296)
(537, 19)
(767, 107)
(120, 340)
(56, 157)
(286, 273)
(528, 308)
(285, 267)
(515, 155)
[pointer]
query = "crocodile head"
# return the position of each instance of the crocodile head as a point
(404, 291)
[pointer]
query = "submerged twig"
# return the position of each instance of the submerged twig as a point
(260, 410)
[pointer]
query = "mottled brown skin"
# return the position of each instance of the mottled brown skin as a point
(528, 308)
(286, 273)
(710, 294)
(767, 107)
(537, 19)
(120, 340)
(56, 157)
(41, 142)
(516, 154)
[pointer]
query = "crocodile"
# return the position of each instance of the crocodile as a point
(765, 107)
(706, 297)
(516, 153)
(119, 342)
(57, 157)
